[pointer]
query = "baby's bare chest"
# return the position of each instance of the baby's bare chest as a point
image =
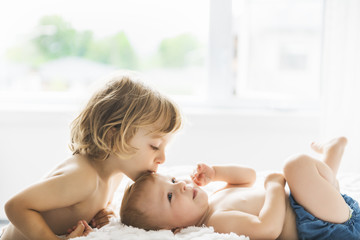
(241, 199)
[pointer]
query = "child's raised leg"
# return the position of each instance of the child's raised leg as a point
(313, 183)
(332, 152)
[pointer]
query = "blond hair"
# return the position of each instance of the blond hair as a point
(115, 113)
(130, 212)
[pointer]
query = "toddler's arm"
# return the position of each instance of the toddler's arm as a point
(81, 229)
(233, 175)
(65, 190)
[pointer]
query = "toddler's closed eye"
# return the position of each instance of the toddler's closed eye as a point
(154, 148)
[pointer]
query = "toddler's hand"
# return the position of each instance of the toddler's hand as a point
(102, 218)
(275, 177)
(203, 175)
(81, 229)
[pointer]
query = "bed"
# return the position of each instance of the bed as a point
(349, 184)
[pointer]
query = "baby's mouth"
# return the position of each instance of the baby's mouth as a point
(195, 191)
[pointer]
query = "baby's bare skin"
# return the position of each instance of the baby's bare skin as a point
(251, 200)
(260, 213)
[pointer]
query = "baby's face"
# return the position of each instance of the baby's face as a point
(173, 203)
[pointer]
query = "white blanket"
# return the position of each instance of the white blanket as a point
(117, 231)
(349, 184)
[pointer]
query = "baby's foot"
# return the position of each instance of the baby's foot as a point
(333, 146)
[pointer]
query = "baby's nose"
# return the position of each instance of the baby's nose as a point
(188, 187)
(182, 186)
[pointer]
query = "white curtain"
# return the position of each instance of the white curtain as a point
(341, 77)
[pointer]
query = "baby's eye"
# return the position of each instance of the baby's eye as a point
(173, 180)
(170, 196)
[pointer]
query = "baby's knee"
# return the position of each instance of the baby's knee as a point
(294, 163)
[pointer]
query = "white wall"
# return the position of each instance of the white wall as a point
(33, 142)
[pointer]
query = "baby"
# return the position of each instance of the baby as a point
(315, 209)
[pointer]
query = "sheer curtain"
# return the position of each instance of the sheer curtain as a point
(341, 77)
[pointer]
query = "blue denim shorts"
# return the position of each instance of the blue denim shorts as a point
(310, 227)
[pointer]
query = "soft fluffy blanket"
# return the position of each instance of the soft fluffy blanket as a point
(349, 184)
(116, 230)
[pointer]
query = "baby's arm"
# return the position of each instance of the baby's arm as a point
(233, 175)
(267, 225)
(23, 210)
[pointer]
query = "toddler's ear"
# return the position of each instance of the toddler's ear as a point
(176, 230)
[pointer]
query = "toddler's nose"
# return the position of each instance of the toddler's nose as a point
(160, 158)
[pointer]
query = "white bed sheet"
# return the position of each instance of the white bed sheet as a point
(349, 184)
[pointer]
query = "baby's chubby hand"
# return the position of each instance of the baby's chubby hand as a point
(102, 217)
(276, 178)
(203, 174)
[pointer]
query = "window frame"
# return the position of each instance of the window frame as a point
(223, 83)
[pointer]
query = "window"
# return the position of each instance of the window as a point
(59, 48)
(237, 53)
(277, 49)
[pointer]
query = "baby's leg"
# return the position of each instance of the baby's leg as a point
(313, 184)
(332, 152)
